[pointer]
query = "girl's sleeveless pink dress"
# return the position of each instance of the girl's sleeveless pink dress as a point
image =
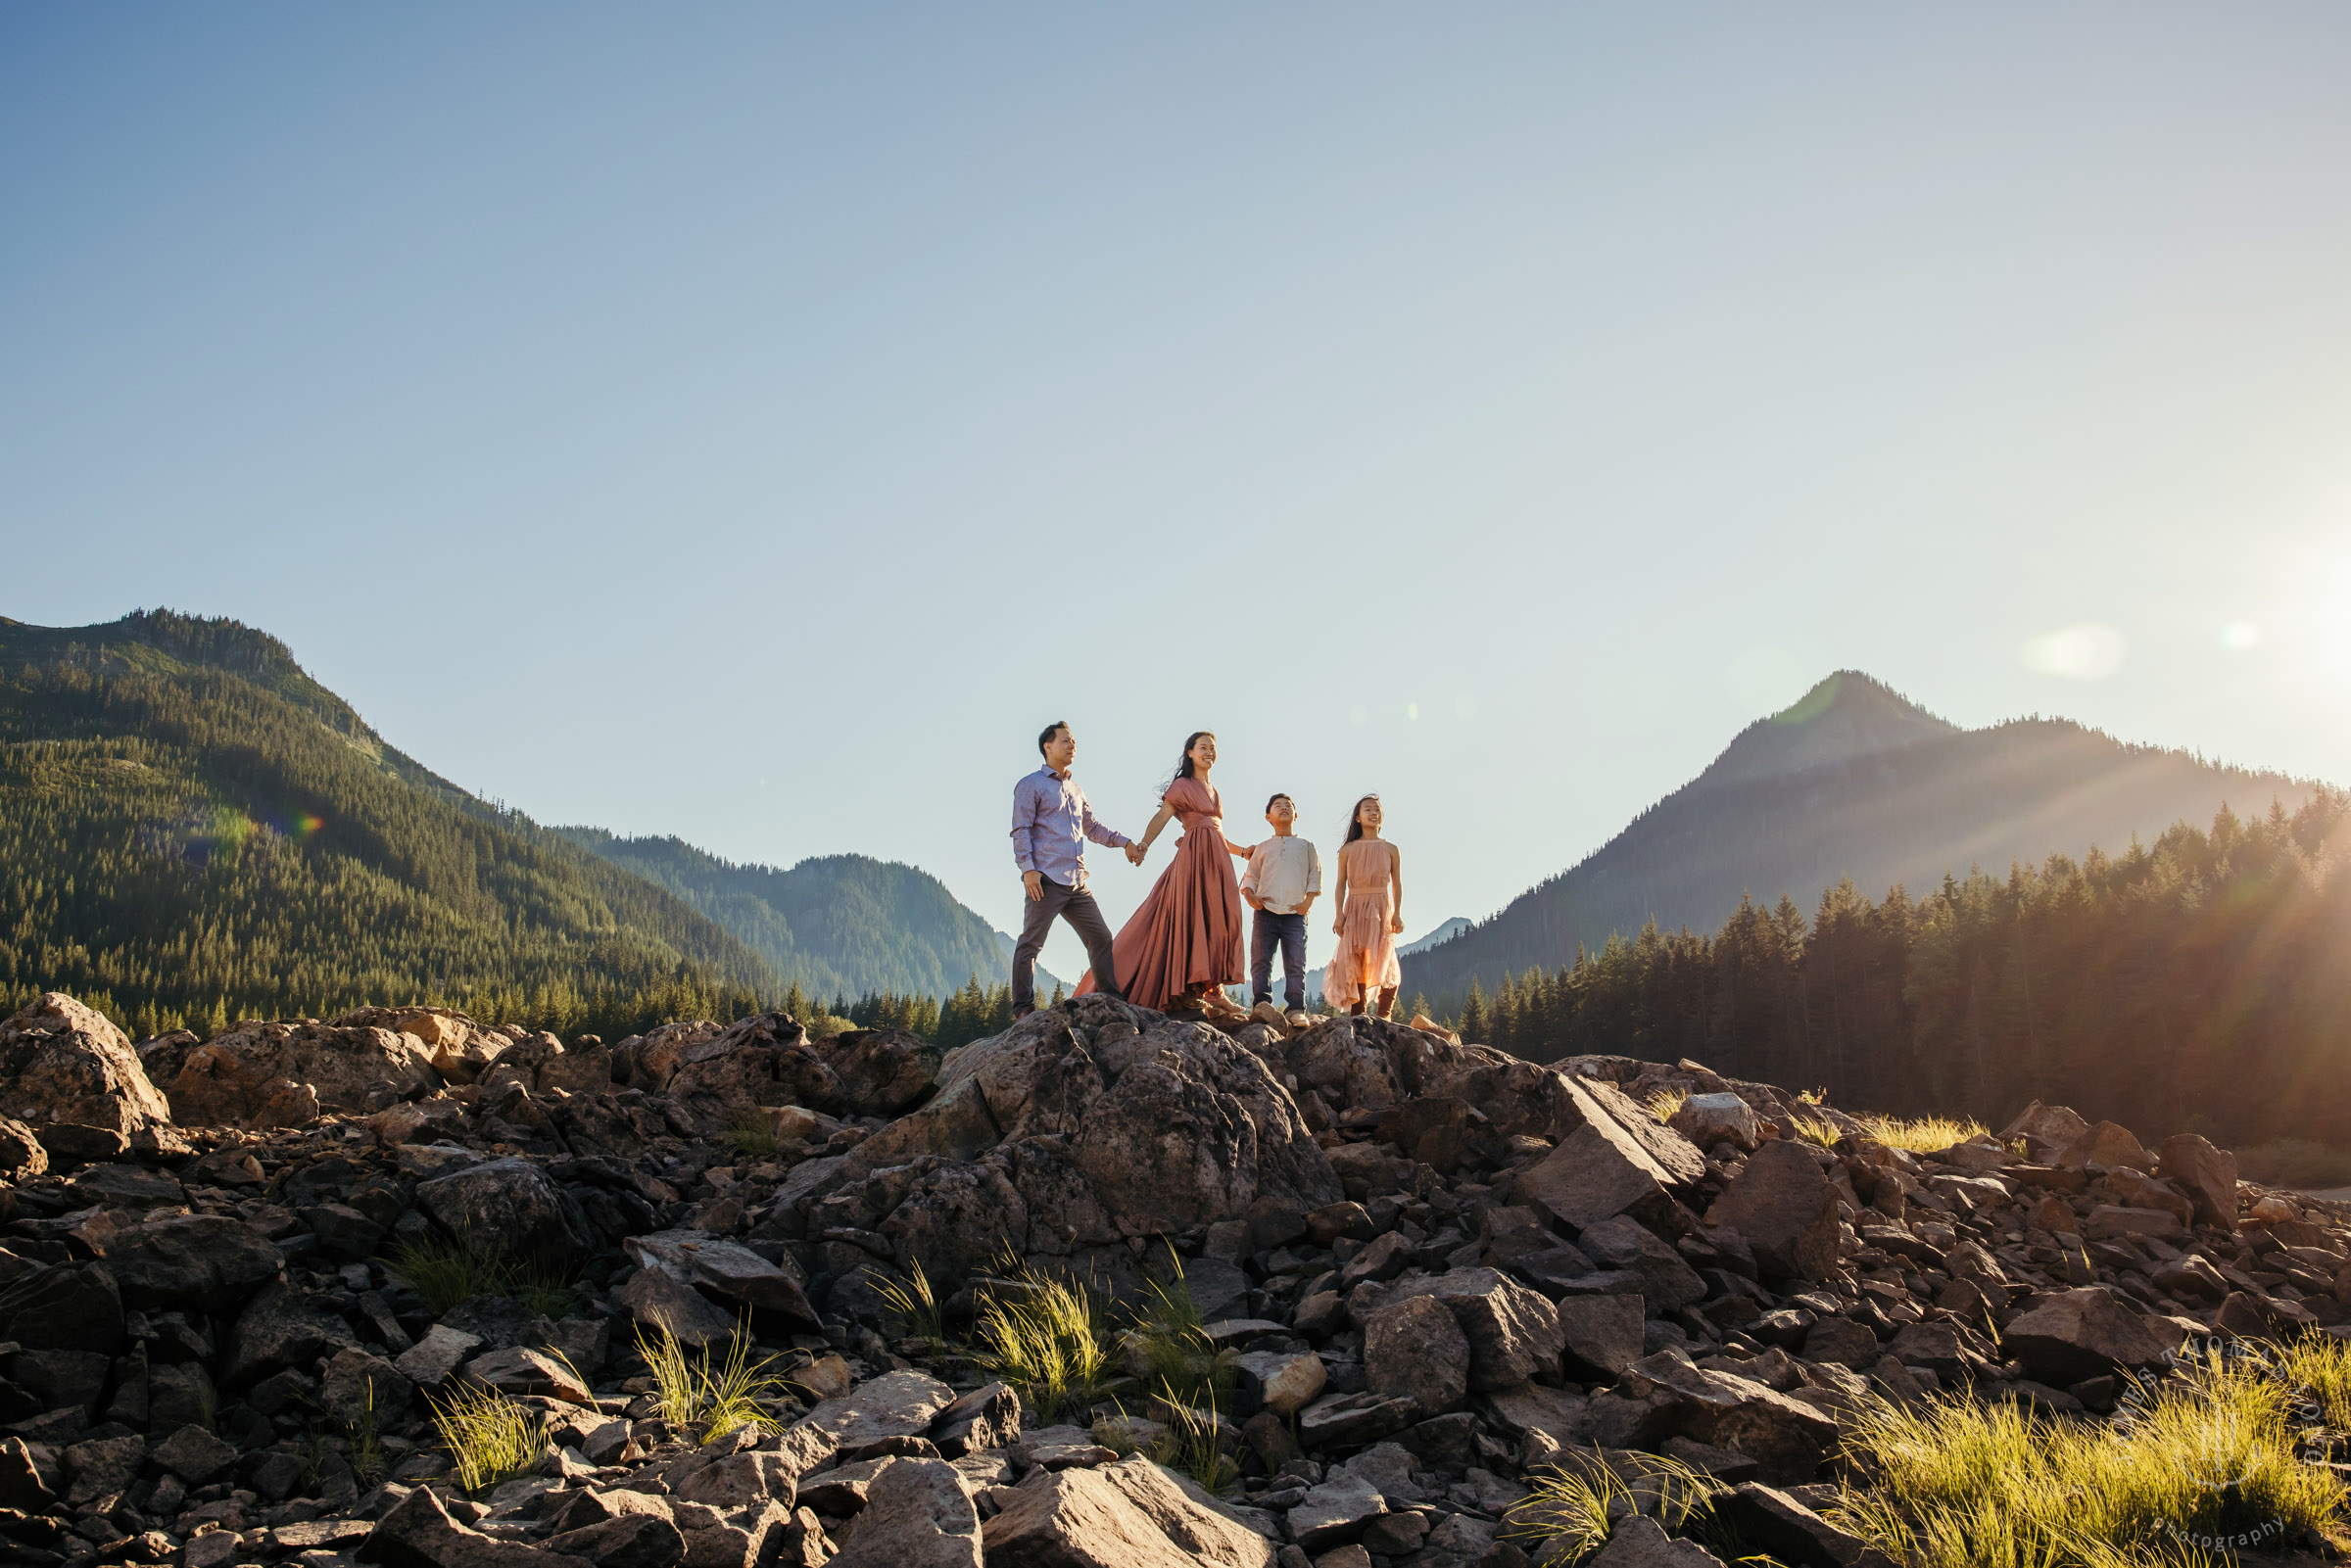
(1366, 962)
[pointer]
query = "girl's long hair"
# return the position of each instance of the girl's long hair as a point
(1354, 821)
(1184, 762)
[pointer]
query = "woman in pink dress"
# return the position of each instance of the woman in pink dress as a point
(1371, 900)
(1184, 946)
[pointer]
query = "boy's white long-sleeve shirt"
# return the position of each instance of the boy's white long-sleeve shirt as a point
(1282, 872)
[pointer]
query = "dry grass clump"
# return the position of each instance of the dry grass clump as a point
(1923, 1135)
(491, 1437)
(2206, 1458)
(1814, 1130)
(445, 1272)
(1574, 1507)
(1046, 1338)
(1665, 1103)
(915, 1304)
(715, 1397)
(2321, 1365)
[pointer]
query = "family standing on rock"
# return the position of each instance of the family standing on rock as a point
(1182, 947)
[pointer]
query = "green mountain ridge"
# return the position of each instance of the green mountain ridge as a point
(837, 924)
(198, 831)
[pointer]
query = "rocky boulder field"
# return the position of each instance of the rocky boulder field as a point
(242, 1282)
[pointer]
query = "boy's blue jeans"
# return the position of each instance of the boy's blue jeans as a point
(1265, 929)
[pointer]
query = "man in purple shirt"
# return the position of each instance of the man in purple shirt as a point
(1050, 824)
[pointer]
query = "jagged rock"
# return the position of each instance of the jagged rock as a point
(1602, 1167)
(2108, 1144)
(460, 1050)
(434, 1359)
(732, 1482)
(916, 1515)
(1601, 1334)
(66, 1307)
(516, 1369)
(2109, 1220)
(883, 1073)
(22, 1157)
(61, 1062)
(1344, 1420)
(239, 1078)
(103, 1466)
(357, 1384)
(540, 1064)
(1335, 1512)
(1794, 1533)
(1282, 1381)
(1639, 1542)
(22, 1485)
(1417, 1350)
(194, 1454)
(1457, 1541)
(662, 1304)
(1513, 1332)
(1667, 1281)
(728, 1272)
(1782, 1204)
(1843, 1342)
(419, 1533)
(2048, 1130)
(897, 1405)
(1125, 1515)
(628, 1541)
(2208, 1175)
(280, 1330)
(2133, 1190)
(125, 1187)
(2064, 1338)
(987, 1417)
(508, 1210)
(1786, 1437)
(207, 1262)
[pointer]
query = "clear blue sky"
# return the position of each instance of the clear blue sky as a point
(755, 422)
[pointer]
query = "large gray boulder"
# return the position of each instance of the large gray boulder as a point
(1124, 1515)
(1783, 1204)
(60, 1062)
(243, 1077)
(176, 1261)
(509, 1210)
(1513, 1332)
(1415, 1349)
(916, 1515)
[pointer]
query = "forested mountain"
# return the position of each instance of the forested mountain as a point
(2201, 981)
(194, 830)
(838, 926)
(1852, 782)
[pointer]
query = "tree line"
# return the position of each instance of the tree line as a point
(2198, 983)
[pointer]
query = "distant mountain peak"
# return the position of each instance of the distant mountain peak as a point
(1845, 718)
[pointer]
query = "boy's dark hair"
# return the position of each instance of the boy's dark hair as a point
(1278, 795)
(1050, 731)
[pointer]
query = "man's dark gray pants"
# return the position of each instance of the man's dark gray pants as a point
(1077, 907)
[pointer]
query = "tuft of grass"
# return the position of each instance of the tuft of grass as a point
(1045, 1337)
(2205, 1454)
(714, 1398)
(1575, 1509)
(749, 1136)
(1813, 1130)
(491, 1437)
(915, 1304)
(1168, 1346)
(1923, 1135)
(1193, 1445)
(2321, 1364)
(368, 1461)
(445, 1272)
(1665, 1103)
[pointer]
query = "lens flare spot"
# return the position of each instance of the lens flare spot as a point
(2237, 636)
(2090, 650)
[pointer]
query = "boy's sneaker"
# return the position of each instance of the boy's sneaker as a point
(1268, 1012)
(1298, 1017)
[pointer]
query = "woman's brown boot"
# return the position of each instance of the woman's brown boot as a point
(1387, 1002)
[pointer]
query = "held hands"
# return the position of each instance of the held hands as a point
(1035, 882)
(1134, 854)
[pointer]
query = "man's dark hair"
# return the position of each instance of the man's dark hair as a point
(1050, 731)
(1270, 799)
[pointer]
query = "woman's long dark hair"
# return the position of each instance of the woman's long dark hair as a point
(1184, 762)
(1354, 821)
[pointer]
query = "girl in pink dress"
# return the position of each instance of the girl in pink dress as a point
(1371, 900)
(1182, 947)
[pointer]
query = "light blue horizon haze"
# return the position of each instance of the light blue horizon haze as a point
(753, 422)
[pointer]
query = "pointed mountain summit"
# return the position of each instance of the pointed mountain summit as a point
(1853, 780)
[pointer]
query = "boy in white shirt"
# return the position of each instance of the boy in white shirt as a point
(1283, 879)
